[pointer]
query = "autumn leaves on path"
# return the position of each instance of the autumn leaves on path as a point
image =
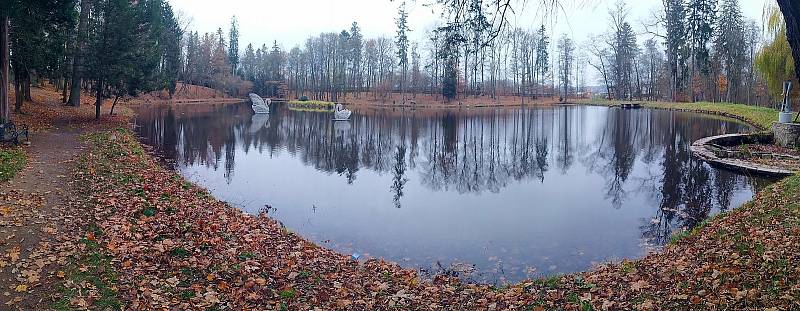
(33, 219)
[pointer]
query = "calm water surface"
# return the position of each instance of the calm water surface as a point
(494, 195)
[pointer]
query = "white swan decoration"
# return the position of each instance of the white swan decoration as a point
(341, 114)
(259, 106)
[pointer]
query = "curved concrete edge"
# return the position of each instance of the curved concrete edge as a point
(699, 149)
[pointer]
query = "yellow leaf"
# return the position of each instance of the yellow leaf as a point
(22, 288)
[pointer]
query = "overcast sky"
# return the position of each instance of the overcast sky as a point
(290, 22)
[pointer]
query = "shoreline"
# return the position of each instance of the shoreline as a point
(153, 219)
(604, 268)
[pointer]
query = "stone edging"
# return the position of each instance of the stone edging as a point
(700, 149)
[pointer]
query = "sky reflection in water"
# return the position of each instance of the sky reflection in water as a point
(517, 193)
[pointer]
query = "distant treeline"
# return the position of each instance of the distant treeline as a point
(696, 50)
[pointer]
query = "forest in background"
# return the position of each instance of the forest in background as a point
(695, 50)
(111, 48)
(692, 50)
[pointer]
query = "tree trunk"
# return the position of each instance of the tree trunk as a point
(18, 93)
(26, 86)
(77, 63)
(99, 102)
(5, 115)
(64, 93)
(791, 13)
(114, 105)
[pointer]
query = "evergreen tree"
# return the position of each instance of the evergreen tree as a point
(625, 51)
(171, 49)
(448, 52)
(676, 53)
(355, 50)
(113, 46)
(542, 62)
(233, 45)
(700, 17)
(729, 45)
(37, 41)
(192, 62)
(402, 45)
(249, 63)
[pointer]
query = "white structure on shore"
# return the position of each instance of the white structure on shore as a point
(259, 105)
(341, 114)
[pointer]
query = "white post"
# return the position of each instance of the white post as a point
(785, 115)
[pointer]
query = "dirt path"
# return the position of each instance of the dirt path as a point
(33, 217)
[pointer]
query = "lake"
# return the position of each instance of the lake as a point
(490, 195)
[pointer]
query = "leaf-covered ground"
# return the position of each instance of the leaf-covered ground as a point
(174, 246)
(38, 229)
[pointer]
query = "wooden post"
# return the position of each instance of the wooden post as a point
(5, 115)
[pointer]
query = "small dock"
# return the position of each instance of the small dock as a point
(629, 105)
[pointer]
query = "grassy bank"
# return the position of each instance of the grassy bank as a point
(12, 160)
(758, 116)
(174, 244)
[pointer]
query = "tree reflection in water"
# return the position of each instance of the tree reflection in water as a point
(481, 152)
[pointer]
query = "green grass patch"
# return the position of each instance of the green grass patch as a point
(628, 266)
(311, 105)
(12, 160)
(287, 293)
(149, 212)
(180, 252)
(246, 256)
(550, 282)
(94, 269)
(677, 237)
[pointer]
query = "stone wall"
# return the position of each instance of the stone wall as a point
(787, 134)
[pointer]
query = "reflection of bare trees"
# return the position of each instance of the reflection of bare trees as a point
(473, 151)
(687, 190)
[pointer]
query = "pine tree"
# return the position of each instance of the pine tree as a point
(112, 45)
(233, 46)
(675, 42)
(625, 52)
(402, 45)
(171, 51)
(700, 17)
(355, 46)
(249, 63)
(37, 40)
(448, 52)
(542, 62)
(729, 46)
